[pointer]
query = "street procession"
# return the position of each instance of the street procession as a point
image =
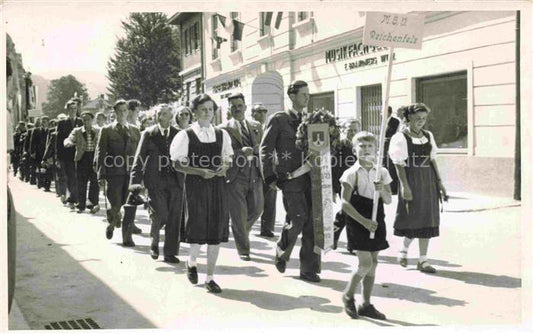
(241, 169)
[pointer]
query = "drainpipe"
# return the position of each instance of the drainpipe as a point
(517, 158)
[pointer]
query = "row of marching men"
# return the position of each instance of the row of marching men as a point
(199, 176)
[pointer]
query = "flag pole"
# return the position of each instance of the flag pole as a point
(384, 109)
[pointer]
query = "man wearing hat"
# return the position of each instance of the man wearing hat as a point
(279, 140)
(245, 185)
(268, 218)
(65, 155)
(152, 166)
(37, 148)
(115, 151)
(83, 138)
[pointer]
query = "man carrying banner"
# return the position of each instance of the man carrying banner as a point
(279, 140)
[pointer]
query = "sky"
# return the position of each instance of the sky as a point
(68, 38)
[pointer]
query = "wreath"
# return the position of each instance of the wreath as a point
(319, 116)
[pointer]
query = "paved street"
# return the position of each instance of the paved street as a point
(67, 270)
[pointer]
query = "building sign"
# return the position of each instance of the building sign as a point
(350, 51)
(394, 30)
(350, 66)
(227, 86)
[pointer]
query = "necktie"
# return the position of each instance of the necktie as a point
(165, 134)
(299, 117)
(247, 141)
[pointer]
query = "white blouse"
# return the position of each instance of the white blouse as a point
(398, 147)
(365, 179)
(179, 148)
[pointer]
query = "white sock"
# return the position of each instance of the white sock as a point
(422, 259)
(208, 278)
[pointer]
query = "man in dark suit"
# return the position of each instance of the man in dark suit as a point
(279, 139)
(32, 166)
(25, 164)
(37, 148)
(16, 156)
(65, 155)
(115, 150)
(83, 139)
(152, 166)
(268, 218)
(245, 185)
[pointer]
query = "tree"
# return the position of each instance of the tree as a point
(60, 91)
(145, 65)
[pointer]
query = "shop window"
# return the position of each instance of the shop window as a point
(214, 27)
(263, 28)
(371, 102)
(234, 43)
(446, 97)
(322, 100)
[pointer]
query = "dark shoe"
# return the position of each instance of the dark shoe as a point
(245, 257)
(267, 234)
(154, 252)
(72, 206)
(46, 190)
(95, 209)
(192, 274)
(402, 258)
(128, 243)
(171, 259)
(213, 287)
(311, 277)
(371, 312)
(425, 267)
(334, 247)
(109, 232)
(280, 264)
(80, 211)
(349, 307)
(136, 230)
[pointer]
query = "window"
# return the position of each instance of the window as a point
(188, 91)
(234, 43)
(263, 28)
(196, 36)
(302, 16)
(446, 97)
(198, 84)
(186, 41)
(371, 102)
(323, 100)
(214, 26)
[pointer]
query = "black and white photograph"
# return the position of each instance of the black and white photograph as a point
(237, 166)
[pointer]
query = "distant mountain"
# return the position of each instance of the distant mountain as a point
(95, 82)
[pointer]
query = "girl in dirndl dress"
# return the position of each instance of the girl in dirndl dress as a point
(413, 151)
(203, 153)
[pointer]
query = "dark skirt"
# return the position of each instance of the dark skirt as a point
(358, 235)
(207, 211)
(423, 218)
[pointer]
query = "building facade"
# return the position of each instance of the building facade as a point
(465, 72)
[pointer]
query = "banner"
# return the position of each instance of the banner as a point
(321, 186)
(394, 30)
(237, 30)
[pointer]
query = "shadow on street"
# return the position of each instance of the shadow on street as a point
(50, 285)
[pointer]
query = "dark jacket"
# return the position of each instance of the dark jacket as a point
(239, 162)
(114, 153)
(152, 159)
(38, 143)
(64, 128)
(279, 141)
